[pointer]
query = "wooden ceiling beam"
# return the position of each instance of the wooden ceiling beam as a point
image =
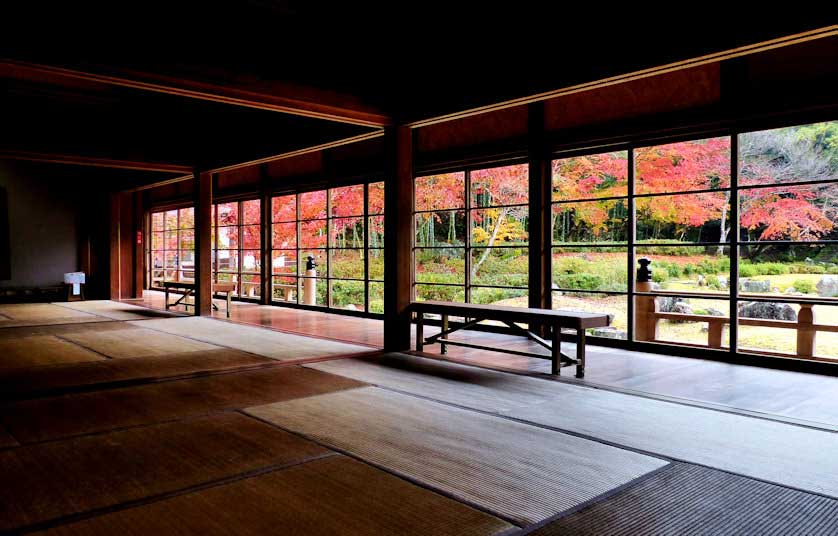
(76, 160)
(272, 96)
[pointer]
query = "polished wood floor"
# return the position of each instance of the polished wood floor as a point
(789, 395)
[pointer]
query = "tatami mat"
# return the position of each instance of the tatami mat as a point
(74, 414)
(325, 497)
(687, 499)
(35, 314)
(39, 350)
(262, 341)
(517, 471)
(782, 453)
(133, 341)
(30, 382)
(57, 479)
(117, 310)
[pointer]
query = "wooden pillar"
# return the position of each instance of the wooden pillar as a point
(398, 238)
(115, 291)
(203, 243)
(138, 239)
(266, 235)
(121, 246)
(806, 331)
(540, 280)
(645, 307)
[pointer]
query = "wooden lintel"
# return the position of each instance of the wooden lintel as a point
(76, 160)
(275, 96)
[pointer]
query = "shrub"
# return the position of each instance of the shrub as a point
(579, 281)
(492, 295)
(832, 270)
(747, 270)
(713, 282)
(659, 276)
(771, 268)
(804, 285)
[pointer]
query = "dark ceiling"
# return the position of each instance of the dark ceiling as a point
(411, 60)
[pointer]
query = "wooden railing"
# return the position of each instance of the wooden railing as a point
(648, 316)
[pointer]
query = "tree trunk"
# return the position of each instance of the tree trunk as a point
(492, 238)
(724, 229)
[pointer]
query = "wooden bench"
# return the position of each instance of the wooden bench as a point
(188, 289)
(511, 316)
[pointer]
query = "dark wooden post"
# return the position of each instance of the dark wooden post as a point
(398, 238)
(115, 289)
(540, 281)
(203, 243)
(267, 253)
(139, 239)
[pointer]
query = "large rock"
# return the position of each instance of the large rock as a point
(754, 285)
(767, 310)
(666, 304)
(828, 286)
(609, 332)
(683, 308)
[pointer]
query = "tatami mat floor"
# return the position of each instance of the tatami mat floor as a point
(179, 428)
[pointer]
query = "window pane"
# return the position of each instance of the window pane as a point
(187, 239)
(251, 260)
(347, 232)
(313, 234)
(347, 201)
(284, 208)
(786, 212)
(157, 259)
(171, 240)
(312, 291)
(766, 337)
(504, 267)
(347, 295)
(157, 240)
(616, 306)
(158, 222)
(228, 213)
(172, 259)
(437, 192)
(441, 228)
(313, 205)
(602, 269)
(171, 220)
(376, 198)
(701, 217)
(284, 235)
(250, 286)
(500, 296)
(376, 304)
(500, 226)
(442, 265)
(440, 293)
(793, 154)
(252, 212)
(688, 268)
(590, 176)
(507, 185)
(228, 237)
(251, 235)
(683, 327)
(376, 264)
(187, 218)
(788, 269)
(285, 289)
(285, 261)
(320, 261)
(228, 260)
(347, 263)
(683, 166)
(590, 221)
(376, 231)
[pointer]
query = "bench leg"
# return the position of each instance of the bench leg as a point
(580, 353)
(167, 299)
(557, 350)
(420, 335)
(229, 301)
(443, 349)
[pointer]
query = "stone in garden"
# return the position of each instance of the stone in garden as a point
(722, 281)
(809, 261)
(791, 290)
(767, 310)
(683, 308)
(754, 285)
(828, 286)
(609, 332)
(714, 312)
(666, 303)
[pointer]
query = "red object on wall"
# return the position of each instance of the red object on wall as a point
(139, 237)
